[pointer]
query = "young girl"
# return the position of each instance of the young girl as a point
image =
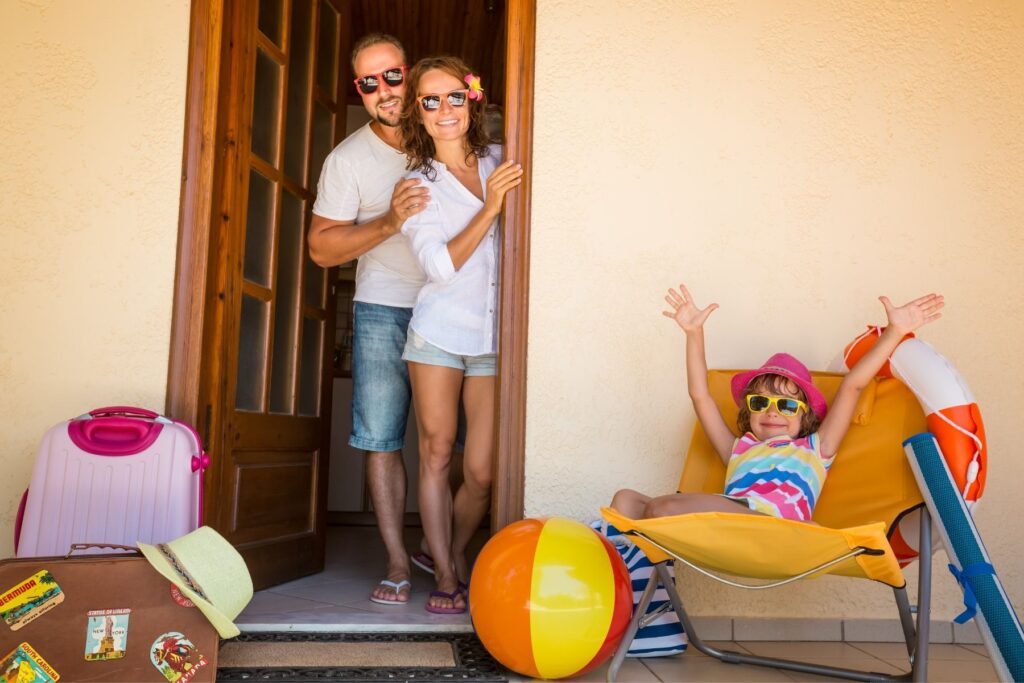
(789, 436)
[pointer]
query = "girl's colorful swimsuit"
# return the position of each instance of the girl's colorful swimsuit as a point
(781, 477)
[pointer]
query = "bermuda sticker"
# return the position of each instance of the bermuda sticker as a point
(24, 664)
(30, 599)
(176, 657)
(106, 636)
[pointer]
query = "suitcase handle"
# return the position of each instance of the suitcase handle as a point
(113, 431)
(124, 410)
(85, 546)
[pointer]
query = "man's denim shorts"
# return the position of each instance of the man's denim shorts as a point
(419, 350)
(380, 379)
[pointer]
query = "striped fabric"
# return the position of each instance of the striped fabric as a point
(664, 635)
(781, 477)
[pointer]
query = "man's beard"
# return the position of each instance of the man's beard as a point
(397, 113)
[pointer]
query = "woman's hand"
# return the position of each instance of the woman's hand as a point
(910, 316)
(507, 176)
(684, 310)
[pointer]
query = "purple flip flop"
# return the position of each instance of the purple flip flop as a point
(423, 561)
(447, 596)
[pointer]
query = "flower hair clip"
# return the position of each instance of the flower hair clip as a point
(476, 92)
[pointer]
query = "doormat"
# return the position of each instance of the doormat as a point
(291, 656)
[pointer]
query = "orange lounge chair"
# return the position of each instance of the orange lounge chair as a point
(870, 489)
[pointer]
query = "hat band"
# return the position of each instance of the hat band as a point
(785, 372)
(181, 571)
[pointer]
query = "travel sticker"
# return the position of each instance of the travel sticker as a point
(30, 599)
(24, 665)
(176, 657)
(106, 636)
(180, 598)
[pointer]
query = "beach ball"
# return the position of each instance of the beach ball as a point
(550, 598)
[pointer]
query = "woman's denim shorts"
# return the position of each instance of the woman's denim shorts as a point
(419, 350)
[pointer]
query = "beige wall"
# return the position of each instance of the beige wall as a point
(91, 145)
(876, 150)
(791, 161)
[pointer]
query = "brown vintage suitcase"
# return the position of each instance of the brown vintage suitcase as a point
(109, 617)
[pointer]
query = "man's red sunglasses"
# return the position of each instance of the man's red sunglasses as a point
(368, 84)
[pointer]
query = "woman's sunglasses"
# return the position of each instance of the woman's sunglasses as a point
(456, 98)
(369, 84)
(759, 403)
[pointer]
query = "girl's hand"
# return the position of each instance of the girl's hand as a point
(684, 310)
(507, 176)
(913, 315)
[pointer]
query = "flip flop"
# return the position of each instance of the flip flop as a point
(397, 588)
(447, 596)
(423, 561)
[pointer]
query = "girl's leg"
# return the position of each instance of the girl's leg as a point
(435, 391)
(630, 503)
(474, 496)
(685, 503)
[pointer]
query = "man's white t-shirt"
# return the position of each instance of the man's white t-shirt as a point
(356, 183)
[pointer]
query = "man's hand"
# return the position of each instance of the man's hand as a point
(407, 200)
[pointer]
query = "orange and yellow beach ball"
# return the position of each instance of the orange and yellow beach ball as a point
(550, 598)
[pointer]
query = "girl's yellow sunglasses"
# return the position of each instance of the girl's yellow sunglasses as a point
(784, 405)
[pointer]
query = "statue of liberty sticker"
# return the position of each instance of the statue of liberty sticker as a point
(106, 635)
(176, 657)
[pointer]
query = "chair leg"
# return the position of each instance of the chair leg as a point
(924, 597)
(732, 657)
(632, 628)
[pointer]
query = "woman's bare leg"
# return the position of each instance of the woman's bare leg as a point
(686, 503)
(630, 503)
(474, 496)
(435, 391)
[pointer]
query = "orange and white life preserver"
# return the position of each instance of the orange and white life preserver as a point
(951, 412)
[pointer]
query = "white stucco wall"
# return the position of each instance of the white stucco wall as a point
(791, 161)
(91, 138)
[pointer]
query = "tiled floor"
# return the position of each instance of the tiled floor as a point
(336, 599)
(946, 663)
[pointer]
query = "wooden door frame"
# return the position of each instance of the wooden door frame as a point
(195, 243)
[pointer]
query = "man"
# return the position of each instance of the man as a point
(362, 203)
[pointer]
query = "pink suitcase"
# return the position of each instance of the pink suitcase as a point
(115, 475)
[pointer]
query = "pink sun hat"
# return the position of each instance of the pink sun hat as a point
(786, 366)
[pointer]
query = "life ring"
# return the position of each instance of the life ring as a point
(952, 415)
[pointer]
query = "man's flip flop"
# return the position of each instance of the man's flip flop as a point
(398, 587)
(447, 596)
(423, 561)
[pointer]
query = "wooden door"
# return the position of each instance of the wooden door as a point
(205, 338)
(267, 380)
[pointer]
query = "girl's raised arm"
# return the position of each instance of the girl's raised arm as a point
(691, 320)
(902, 320)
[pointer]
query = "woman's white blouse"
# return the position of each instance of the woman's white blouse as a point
(457, 309)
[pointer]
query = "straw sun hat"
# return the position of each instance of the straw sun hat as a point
(208, 571)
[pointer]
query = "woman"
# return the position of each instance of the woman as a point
(452, 343)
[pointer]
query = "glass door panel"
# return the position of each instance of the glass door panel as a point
(286, 295)
(259, 229)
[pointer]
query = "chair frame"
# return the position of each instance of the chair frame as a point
(915, 634)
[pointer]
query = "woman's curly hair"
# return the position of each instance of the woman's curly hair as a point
(777, 385)
(416, 143)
